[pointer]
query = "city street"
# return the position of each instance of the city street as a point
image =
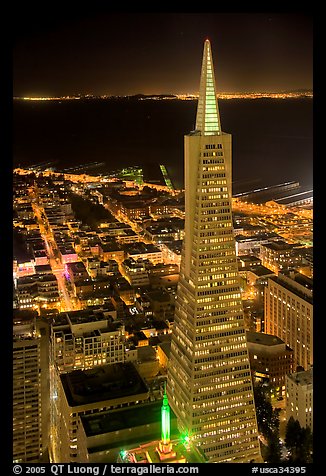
(68, 302)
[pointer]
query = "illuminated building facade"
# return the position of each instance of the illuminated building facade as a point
(289, 314)
(136, 272)
(209, 384)
(27, 402)
(145, 252)
(279, 255)
(84, 339)
(37, 290)
(299, 397)
(78, 340)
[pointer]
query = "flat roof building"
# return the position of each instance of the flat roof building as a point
(299, 397)
(85, 338)
(253, 244)
(95, 390)
(103, 436)
(270, 360)
(289, 314)
(279, 255)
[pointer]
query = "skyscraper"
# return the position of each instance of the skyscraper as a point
(27, 401)
(209, 385)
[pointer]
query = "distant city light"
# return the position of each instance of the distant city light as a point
(183, 97)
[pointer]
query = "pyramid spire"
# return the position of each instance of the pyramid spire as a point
(208, 117)
(209, 381)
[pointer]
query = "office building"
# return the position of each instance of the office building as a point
(279, 255)
(289, 314)
(271, 360)
(209, 383)
(27, 399)
(93, 391)
(83, 339)
(299, 397)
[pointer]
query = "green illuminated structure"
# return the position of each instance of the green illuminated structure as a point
(134, 174)
(166, 177)
(165, 420)
(180, 450)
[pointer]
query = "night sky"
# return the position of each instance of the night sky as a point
(97, 52)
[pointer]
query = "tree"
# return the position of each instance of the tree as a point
(267, 418)
(273, 452)
(89, 213)
(306, 448)
(268, 423)
(298, 441)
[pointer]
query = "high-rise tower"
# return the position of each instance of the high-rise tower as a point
(27, 389)
(209, 385)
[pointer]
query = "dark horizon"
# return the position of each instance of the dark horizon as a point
(105, 53)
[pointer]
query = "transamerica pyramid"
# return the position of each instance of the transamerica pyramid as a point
(209, 384)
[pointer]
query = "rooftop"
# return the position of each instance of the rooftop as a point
(83, 316)
(161, 296)
(39, 253)
(60, 319)
(180, 452)
(302, 378)
(146, 353)
(134, 204)
(23, 316)
(117, 225)
(34, 278)
(166, 347)
(43, 269)
(76, 266)
(111, 327)
(258, 237)
(122, 284)
(278, 245)
(137, 248)
(109, 421)
(263, 339)
(249, 259)
(260, 270)
(46, 277)
(66, 249)
(107, 382)
(110, 246)
(304, 281)
(175, 246)
(298, 284)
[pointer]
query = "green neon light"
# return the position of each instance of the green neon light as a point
(165, 420)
